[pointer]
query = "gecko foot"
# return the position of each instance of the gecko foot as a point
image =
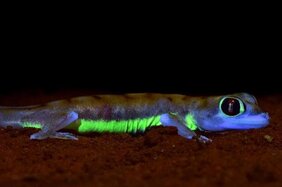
(64, 135)
(58, 135)
(38, 136)
(204, 139)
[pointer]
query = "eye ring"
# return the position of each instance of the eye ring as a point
(231, 106)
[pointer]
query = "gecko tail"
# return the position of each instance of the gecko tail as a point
(14, 125)
(11, 116)
(4, 122)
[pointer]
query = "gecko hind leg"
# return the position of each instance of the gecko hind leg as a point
(58, 122)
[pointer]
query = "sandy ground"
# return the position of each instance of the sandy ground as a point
(157, 158)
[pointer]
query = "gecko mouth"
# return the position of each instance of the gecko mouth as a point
(248, 122)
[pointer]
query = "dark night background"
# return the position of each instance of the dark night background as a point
(158, 72)
(149, 59)
(53, 52)
(171, 76)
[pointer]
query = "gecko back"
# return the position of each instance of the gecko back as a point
(135, 112)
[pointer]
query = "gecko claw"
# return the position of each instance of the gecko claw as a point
(64, 135)
(204, 139)
(38, 136)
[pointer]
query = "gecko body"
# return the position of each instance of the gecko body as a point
(131, 113)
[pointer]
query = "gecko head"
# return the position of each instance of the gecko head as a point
(231, 112)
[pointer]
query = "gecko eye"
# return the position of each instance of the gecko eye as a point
(231, 106)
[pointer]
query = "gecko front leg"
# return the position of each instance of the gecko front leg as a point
(56, 123)
(177, 121)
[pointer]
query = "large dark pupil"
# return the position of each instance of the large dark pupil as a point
(230, 106)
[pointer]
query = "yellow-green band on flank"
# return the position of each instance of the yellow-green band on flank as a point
(191, 122)
(131, 125)
(117, 126)
(31, 125)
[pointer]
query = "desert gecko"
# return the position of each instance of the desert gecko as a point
(131, 113)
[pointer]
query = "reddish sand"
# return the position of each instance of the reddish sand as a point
(157, 158)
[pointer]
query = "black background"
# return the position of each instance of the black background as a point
(149, 73)
(113, 59)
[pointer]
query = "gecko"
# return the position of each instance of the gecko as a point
(137, 112)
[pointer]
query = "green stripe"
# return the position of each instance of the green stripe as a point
(31, 125)
(121, 126)
(191, 122)
(86, 126)
(131, 125)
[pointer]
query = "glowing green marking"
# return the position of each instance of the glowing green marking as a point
(31, 125)
(191, 122)
(131, 125)
(242, 108)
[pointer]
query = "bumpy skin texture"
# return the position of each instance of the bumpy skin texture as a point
(171, 109)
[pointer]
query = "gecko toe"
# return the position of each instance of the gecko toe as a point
(64, 135)
(38, 136)
(204, 139)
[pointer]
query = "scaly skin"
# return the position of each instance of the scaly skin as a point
(137, 112)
